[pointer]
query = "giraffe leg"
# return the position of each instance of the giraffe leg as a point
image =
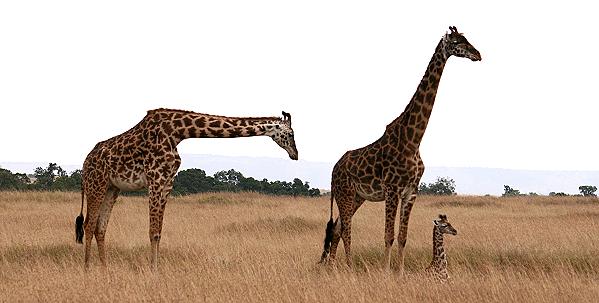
(158, 195)
(391, 201)
(95, 194)
(346, 237)
(161, 174)
(89, 236)
(335, 240)
(402, 236)
(337, 230)
(90, 223)
(345, 217)
(156, 215)
(103, 217)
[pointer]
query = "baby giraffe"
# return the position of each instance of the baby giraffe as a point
(438, 267)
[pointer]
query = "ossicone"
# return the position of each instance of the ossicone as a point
(286, 117)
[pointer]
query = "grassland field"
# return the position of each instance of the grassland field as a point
(247, 247)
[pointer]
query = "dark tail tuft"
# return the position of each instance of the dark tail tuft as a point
(79, 229)
(79, 221)
(328, 239)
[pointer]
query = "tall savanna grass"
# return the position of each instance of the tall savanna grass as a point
(246, 247)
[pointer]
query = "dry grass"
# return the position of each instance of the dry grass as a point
(250, 247)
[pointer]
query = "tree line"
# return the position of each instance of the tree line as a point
(585, 191)
(189, 181)
(195, 180)
(51, 178)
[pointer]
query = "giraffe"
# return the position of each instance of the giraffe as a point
(146, 157)
(438, 266)
(390, 168)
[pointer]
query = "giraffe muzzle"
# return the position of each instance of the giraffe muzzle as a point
(476, 56)
(293, 156)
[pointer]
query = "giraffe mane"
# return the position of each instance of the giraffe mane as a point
(181, 111)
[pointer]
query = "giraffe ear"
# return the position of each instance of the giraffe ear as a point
(435, 222)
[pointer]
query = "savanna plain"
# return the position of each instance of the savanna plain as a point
(247, 247)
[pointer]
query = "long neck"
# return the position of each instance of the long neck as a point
(439, 257)
(181, 125)
(414, 119)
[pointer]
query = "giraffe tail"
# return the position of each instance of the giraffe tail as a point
(328, 237)
(79, 223)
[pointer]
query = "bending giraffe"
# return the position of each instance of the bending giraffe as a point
(146, 157)
(390, 168)
(438, 266)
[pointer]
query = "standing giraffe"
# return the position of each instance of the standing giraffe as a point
(146, 157)
(438, 266)
(390, 168)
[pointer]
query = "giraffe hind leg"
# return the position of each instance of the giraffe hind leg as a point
(328, 239)
(94, 202)
(90, 226)
(335, 240)
(102, 222)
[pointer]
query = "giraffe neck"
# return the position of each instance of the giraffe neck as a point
(180, 125)
(439, 258)
(414, 119)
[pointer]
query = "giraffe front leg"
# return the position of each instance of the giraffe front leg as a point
(391, 201)
(157, 207)
(158, 196)
(402, 236)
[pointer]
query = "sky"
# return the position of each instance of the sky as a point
(73, 73)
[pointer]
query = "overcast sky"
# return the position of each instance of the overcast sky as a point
(73, 73)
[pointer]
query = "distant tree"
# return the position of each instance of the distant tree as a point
(510, 192)
(45, 177)
(300, 188)
(66, 182)
(77, 178)
(444, 186)
(280, 188)
(423, 189)
(250, 184)
(191, 181)
(532, 194)
(54, 177)
(195, 180)
(228, 180)
(10, 181)
(314, 192)
(558, 194)
(588, 190)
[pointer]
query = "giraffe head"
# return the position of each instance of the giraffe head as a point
(455, 44)
(444, 226)
(283, 135)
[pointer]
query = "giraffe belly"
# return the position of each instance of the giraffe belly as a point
(370, 194)
(130, 184)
